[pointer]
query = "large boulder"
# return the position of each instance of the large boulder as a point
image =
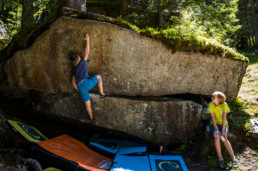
(162, 120)
(131, 64)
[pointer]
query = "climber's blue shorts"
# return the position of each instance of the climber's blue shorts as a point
(85, 86)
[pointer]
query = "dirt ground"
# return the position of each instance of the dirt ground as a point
(248, 159)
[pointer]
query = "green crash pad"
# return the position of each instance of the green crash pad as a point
(28, 132)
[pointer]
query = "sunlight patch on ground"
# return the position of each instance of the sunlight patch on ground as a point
(249, 90)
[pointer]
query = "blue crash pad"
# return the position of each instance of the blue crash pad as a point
(167, 163)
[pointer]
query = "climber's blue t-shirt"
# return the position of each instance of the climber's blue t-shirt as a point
(80, 71)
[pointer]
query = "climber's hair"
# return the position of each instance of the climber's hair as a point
(221, 96)
(74, 57)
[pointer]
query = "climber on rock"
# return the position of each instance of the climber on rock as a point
(81, 80)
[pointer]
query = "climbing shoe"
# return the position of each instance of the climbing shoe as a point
(234, 163)
(92, 121)
(222, 164)
(102, 95)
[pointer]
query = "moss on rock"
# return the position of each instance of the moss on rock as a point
(177, 40)
(174, 39)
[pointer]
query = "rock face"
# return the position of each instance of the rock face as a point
(162, 121)
(131, 64)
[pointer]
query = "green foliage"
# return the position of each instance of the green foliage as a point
(202, 26)
(151, 13)
(40, 12)
(179, 37)
(213, 160)
(206, 18)
(12, 14)
(239, 118)
(47, 8)
(182, 148)
(13, 21)
(253, 58)
(213, 19)
(2, 47)
(124, 22)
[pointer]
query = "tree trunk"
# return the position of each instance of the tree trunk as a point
(248, 24)
(27, 14)
(255, 26)
(122, 6)
(2, 10)
(76, 4)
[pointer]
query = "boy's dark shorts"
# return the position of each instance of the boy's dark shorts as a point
(210, 129)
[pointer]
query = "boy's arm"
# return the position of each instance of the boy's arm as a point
(214, 122)
(224, 119)
(87, 49)
(74, 83)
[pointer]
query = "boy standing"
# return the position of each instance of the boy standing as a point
(81, 80)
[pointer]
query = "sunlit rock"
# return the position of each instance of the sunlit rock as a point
(131, 64)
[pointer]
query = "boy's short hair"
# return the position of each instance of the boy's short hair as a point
(74, 57)
(221, 96)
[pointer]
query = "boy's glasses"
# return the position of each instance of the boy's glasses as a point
(213, 97)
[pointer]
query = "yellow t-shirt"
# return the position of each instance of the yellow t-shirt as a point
(218, 111)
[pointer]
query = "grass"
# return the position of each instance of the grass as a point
(249, 91)
(247, 102)
(245, 107)
(238, 118)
